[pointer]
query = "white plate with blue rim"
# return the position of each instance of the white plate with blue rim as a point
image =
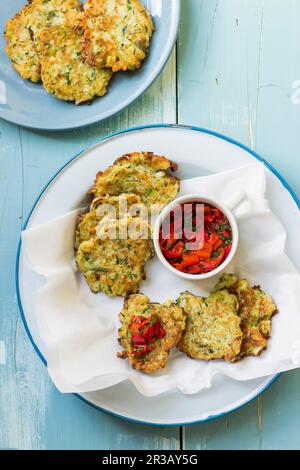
(28, 104)
(198, 152)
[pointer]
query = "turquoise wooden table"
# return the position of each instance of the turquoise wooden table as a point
(236, 70)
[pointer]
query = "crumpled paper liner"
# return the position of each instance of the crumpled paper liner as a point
(79, 328)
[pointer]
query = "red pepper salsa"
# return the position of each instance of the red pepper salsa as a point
(144, 332)
(198, 239)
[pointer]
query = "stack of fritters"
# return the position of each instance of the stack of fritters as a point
(233, 322)
(112, 263)
(109, 264)
(74, 51)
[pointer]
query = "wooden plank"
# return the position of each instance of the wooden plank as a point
(10, 213)
(238, 62)
(281, 414)
(278, 110)
(33, 414)
(217, 84)
(277, 138)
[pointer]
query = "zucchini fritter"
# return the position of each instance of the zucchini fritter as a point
(149, 331)
(114, 266)
(213, 326)
(256, 309)
(87, 223)
(65, 73)
(21, 31)
(141, 173)
(117, 33)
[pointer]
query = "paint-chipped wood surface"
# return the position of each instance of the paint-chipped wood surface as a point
(237, 71)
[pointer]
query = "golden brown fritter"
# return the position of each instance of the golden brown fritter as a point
(141, 173)
(114, 206)
(21, 31)
(256, 309)
(168, 323)
(65, 73)
(117, 33)
(115, 266)
(213, 326)
(20, 46)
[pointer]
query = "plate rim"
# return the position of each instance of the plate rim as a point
(158, 69)
(283, 181)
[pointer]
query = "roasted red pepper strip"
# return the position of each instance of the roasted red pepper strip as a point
(177, 266)
(169, 254)
(189, 260)
(215, 262)
(228, 250)
(218, 244)
(175, 252)
(214, 238)
(208, 218)
(145, 331)
(205, 251)
(226, 233)
(138, 340)
(216, 212)
(195, 269)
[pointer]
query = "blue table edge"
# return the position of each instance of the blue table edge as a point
(125, 131)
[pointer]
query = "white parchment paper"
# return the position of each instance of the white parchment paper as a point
(79, 328)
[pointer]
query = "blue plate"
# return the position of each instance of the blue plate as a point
(29, 105)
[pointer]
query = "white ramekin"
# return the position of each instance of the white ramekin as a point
(202, 199)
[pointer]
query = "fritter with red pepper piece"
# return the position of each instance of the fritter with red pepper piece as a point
(149, 331)
(256, 309)
(141, 173)
(213, 326)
